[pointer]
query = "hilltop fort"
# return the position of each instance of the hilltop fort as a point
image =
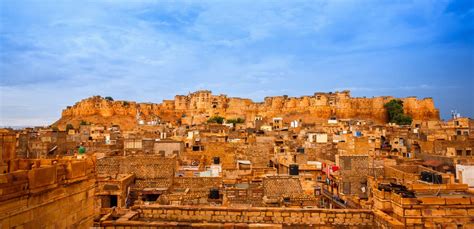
(197, 107)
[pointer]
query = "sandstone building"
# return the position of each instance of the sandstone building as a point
(212, 161)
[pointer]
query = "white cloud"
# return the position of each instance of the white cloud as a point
(149, 51)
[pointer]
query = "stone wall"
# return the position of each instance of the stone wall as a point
(197, 183)
(225, 151)
(235, 215)
(7, 145)
(434, 211)
(64, 206)
(51, 193)
(353, 172)
(150, 171)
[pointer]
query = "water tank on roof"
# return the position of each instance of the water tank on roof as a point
(214, 193)
(82, 150)
(217, 160)
(427, 176)
(294, 169)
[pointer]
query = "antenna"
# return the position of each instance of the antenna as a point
(455, 114)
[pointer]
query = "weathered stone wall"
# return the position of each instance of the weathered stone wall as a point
(428, 211)
(197, 183)
(283, 216)
(385, 221)
(7, 146)
(215, 149)
(67, 206)
(150, 171)
(321, 106)
(354, 174)
(44, 193)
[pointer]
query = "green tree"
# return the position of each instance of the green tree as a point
(216, 119)
(109, 98)
(83, 123)
(395, 112)
(235, 121)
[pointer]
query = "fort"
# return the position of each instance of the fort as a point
(197, 107)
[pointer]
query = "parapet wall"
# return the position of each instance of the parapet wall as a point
(51, 193)
(235, 215)
(436, 206)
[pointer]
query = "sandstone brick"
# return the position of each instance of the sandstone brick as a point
(432, 201)
(433, 212)
(412, 221)
(412, 212)
(456, 212)
(458, 201)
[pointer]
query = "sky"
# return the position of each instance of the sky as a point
(55, 53)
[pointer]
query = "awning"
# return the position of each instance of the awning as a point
(245, 162)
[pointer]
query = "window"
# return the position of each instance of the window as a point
(161, 152)
(346, 188)
(175, 152)
(458, 152)
(468, 152)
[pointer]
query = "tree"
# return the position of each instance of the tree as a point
(109, 98)
(235, 121)
(395, 112)
(216, 119)
(69, 126)
(83, 123)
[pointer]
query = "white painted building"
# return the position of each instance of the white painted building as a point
(465, 174)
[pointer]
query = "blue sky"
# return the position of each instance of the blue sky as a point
(54, 53)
